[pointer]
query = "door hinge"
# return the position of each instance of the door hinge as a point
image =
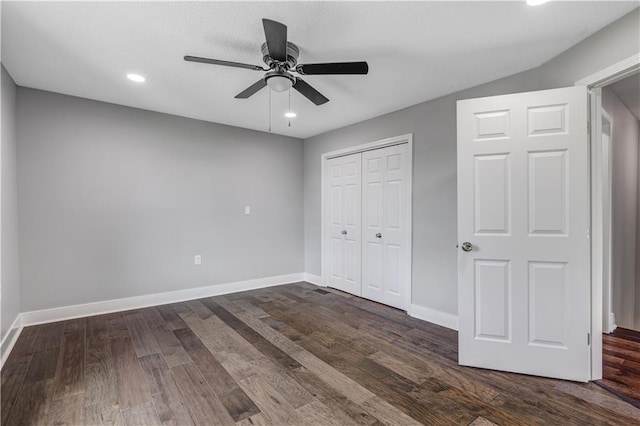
(588, 339)
(588, 127)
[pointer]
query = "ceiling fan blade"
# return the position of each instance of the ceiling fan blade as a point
(251, 90)
(309, 92)
(224, 63)
(276, 35)
(333, 68)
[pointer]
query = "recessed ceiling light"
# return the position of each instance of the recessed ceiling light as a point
(290, 114)
(536, 2)
(136, 77)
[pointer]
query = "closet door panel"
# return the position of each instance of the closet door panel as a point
(385, 225)
(373, 222)
(395, 225)
(343, 216)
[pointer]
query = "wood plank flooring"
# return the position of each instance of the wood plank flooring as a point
(291, 354)
(621, 359)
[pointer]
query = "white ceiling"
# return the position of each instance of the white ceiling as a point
(416, 51)
(628, 91)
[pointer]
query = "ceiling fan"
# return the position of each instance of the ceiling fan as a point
(281, 58)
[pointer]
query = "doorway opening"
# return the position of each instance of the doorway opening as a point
(600, 298)
(619, 143)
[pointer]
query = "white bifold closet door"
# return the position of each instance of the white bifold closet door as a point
(367, 215)
(344, 223)
(385, 221)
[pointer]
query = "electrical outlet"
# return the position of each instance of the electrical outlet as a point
(247, 209)
(197, 260)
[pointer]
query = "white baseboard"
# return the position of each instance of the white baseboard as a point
(434, 316)
(612, 322)
(10, 339)
(313, 279)
(116, 305)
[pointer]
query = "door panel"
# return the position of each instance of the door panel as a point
(351, 261)
(373, 223)
(523, 203)
(373, 274)
(491, 194)
(492, 301)
(393, 203)
(548, 192)
(386, 226)
(392, 265)
(547, 303)
(344, 223)
(335, 248)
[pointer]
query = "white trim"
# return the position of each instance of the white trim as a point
(434, 316)
(314, 279)
(395, 140)
(116, 305)
(10, 339)
(612, 322)
(409, 260)
(613, 73)
(607, 210)
(597, 232)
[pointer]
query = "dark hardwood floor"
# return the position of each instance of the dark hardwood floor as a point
(621, 359)
(291, 354)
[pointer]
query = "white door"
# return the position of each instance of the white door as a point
(344, 223)
(523, 205)
(385, 226)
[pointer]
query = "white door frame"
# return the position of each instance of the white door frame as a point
(594, 83)
(608, 322)
(396, 140)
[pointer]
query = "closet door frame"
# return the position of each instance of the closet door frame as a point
(396, 140)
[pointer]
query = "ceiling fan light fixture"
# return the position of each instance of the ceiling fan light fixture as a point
(136, 77)
(536, 2)
(290, 114)
(279, 82)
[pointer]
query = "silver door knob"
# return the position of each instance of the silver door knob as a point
(344, 232)
(467, 246)
(378, 235)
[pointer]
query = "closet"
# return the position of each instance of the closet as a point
(367, 224)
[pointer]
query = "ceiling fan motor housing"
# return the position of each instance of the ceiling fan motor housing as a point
(292, 57)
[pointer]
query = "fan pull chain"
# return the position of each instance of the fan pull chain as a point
(269, 110)
(289, 110)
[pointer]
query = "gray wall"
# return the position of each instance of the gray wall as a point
(434, 169)
(10, 279)
(624, 150)
(115, 202)
(612, 44)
